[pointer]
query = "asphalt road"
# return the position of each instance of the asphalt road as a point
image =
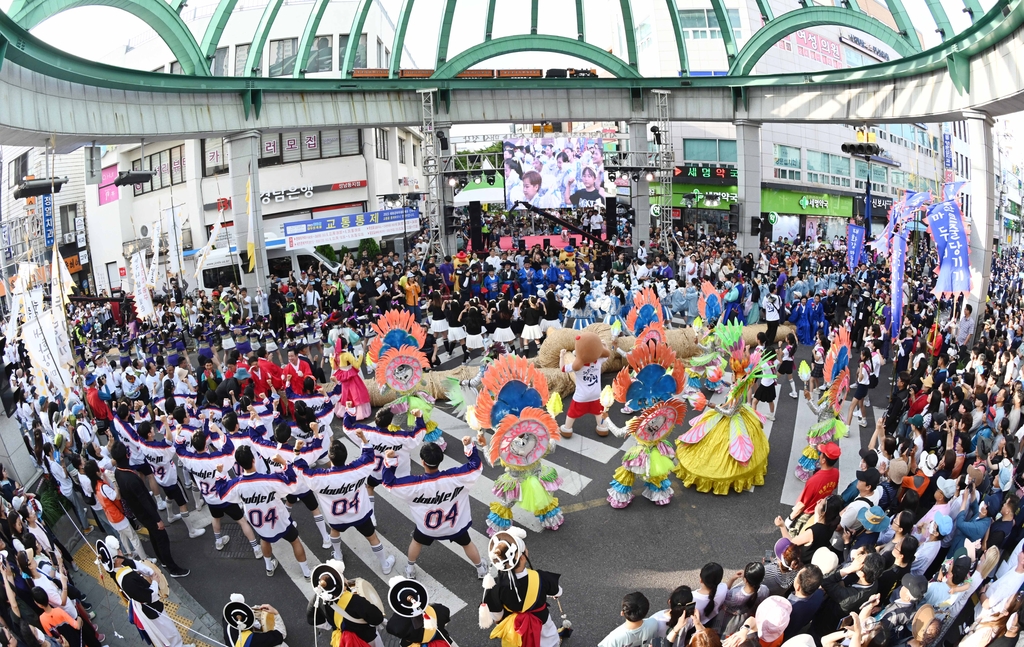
(600, 552)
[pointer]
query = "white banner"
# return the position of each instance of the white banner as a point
(206, 250)
(173, 217)
(351, 227)
(143, 298)
(60, 288)
(152, 277)
(41, 344)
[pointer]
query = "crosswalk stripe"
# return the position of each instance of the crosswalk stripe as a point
(805, 419)
(290, 566)
(403, 508)
(572, 482)
(356, 544)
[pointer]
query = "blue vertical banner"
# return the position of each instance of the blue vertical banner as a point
(946, 225)
(854, 246)
(48, 219)
(898, 262)
(947, 150)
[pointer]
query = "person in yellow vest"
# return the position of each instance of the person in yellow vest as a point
(416, 622)
(258, 626)
(518, 598)
(351, 608)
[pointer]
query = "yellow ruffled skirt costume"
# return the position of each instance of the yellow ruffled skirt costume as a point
(707, 463)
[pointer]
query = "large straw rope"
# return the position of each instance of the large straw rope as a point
(680, 339)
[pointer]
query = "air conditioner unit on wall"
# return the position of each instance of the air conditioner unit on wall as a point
(69, 238)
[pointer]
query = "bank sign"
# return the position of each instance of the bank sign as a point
(351, 227)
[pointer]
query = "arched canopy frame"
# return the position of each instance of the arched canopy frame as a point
(535, 43)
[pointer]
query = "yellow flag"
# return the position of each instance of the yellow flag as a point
(251, 242)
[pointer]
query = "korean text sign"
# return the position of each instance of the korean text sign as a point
(350, 227)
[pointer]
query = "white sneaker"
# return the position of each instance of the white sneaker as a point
(626, 410)
(222, 542)
(793, 395)
(389, 563)
(196, 532)
(410, 571)
(867, 402)
(862, 422)
(161, 504)
(481, 571)
(172, 518)
(257, 553)
(770, 416)
(857, 413)
(273, 568)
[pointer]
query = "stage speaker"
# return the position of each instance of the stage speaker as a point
(547, 243)
(522, 245)
(572, 241)
(476, 223)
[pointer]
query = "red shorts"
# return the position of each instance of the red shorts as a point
(579, 409)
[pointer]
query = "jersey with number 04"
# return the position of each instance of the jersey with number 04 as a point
(439, 502)
(160, 456)
(262, 496)
(340, 491)
(401, 442)
(311, 452)
(203, 468)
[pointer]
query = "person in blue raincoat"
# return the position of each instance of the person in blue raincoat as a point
(816, 317)
(800, 317)
(539, 279)
(526, 281)
(564, 275)
(491, 284)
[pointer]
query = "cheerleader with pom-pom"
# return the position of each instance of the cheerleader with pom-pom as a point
(829, 428)
(513, 394)
(725, 447)
(650, 384)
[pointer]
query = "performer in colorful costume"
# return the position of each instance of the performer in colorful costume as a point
(512, 397)
(829, 428)
(345, 371)
(568, 256)
(517, 598)
(400, 366)
(645, 319)
(650, 385)
(725, 446)
(351, 608)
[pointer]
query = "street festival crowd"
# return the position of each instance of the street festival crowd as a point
(248, 392)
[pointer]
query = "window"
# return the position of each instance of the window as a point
(67, 218)
(321, 55)
(215, 159)
(644, 35)
(387, 57)
(381, 140)
(700, 150)
(401, 150)
(175, 67)
(703, 23)
(787, 156)
(169, 167)
(787, 174)
(817, 161)
(727, 150)
(380, 53)
(282, 56)
(861, 169)
(415, 155)
(241, 54)
(308, 145)
(17, 170)
(218, 276)
(360, 57)
(219, 65)
(291, 147)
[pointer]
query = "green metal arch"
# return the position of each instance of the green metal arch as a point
(158, 15)
(766, 37)
(535, 43)
(677, 29)
(354, 33)
(580, 23)
(446, 31)
(218, 21)
(627, 24)
(941, 19)
(259, 39)
(316, 14)
(489, 24)
(725, 27)
(399, 42)
(904, 23)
